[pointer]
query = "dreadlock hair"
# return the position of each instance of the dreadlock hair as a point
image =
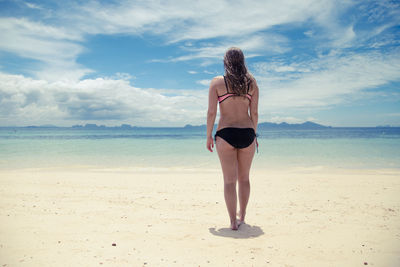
(236, 71)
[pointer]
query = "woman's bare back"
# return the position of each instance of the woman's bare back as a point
(234, 111)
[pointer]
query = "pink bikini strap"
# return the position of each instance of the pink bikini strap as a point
(223, 97)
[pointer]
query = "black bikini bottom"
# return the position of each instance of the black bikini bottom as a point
(237, 137)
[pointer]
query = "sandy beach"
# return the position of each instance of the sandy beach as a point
(177, 217)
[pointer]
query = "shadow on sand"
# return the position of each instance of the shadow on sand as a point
(244, 231)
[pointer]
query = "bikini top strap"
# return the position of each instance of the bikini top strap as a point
(226, 85)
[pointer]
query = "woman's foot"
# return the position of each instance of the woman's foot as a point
(234, 225)
(241, 216)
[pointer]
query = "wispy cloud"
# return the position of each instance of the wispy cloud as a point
(211, 53)
(179, 20)
(32, 5)
(249, 25)
(324, 82)
(56, 49)
(204, 82)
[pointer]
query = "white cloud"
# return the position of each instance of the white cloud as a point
(55, 49)
(28, 28)
(121, 76)
(26, 101)
(288, 119)
(344, 37)
(249, 25)
(32, 6)
(280, 116)
(309, 33)
(324, 82)
(392, 114)
(252, 46)
(210, 72)
(204, 82)
(327, 82)
(180, 20)
(57, 94)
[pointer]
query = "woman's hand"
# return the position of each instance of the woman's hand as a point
(210, 143)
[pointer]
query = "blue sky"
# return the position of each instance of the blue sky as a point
(149, 63)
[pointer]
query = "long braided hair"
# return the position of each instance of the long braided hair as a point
(236, 71)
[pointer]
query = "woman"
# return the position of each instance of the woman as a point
(235, 139)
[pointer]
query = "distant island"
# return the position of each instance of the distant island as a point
(95, 126)
(285, 125)
(308, 125)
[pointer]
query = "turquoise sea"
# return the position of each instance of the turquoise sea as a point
(41, 147)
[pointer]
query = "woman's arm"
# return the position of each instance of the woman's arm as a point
(211, 113)
(254, 104)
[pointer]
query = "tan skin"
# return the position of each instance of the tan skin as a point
(236, 111)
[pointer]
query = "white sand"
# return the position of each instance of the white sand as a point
(298, 217)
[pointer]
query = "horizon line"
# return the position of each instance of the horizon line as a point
(87, 125)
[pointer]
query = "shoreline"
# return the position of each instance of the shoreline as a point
(206, 168)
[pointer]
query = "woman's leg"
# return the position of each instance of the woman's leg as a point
(228, 157)
(245, 157)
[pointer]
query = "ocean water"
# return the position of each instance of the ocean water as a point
(185, 148)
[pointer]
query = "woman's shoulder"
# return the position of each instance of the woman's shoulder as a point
(251, 77)
(217, 80)
(253, 83)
